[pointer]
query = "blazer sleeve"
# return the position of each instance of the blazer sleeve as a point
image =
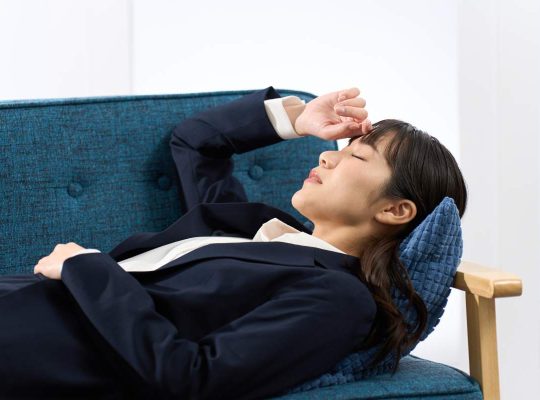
(202, 147)
(298, 334)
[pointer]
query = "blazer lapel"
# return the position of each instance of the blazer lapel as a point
(241, 219)
(279, 253)
(234, 219)
(337, 261)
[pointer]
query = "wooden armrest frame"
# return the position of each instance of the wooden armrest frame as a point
(481, 286)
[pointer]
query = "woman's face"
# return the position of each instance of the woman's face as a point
(352, 180)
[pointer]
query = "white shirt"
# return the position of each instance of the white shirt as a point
(270, 231)
(273, 230)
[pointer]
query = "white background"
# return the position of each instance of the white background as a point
(465, 71)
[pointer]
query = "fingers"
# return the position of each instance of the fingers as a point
(356, 102)
(42, 261)
(340, 131)
(366, 126)
(350, 106)
(358, 113)
(348, 93)
(48, 271)
(346, 129)
(38, 268)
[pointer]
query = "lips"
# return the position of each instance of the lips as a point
(313, 174)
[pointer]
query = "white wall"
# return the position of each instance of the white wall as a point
(467, 72)
(64, 48)
(402, 55)
(499, 82)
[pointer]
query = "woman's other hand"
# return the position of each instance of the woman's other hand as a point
(335, 115)
(50, 266)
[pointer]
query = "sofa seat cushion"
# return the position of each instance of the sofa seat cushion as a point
(415, 378)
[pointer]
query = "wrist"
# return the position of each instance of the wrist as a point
(293, 112)
(298, 125)
(283, 113)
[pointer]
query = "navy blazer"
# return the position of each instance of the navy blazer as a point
(227, 320)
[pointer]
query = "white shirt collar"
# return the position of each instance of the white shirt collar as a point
(276, 230)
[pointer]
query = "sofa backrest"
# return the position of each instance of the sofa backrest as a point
(97, 170)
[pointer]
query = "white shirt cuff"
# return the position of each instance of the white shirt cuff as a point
(277, 114)
(76, 254)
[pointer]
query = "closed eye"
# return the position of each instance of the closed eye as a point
(363, 159)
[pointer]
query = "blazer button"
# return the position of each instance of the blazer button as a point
(218, 232)
(256, 172)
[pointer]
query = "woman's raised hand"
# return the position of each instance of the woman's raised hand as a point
(333, 116)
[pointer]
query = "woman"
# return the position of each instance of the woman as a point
(252, 319)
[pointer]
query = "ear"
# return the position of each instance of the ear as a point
(396, 212)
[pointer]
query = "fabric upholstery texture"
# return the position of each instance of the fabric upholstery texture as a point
(415, 379)
(96, 170)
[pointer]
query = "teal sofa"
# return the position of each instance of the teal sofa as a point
(96, 170)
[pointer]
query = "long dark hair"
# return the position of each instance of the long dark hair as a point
(423, 171)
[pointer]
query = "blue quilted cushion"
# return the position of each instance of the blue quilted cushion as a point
(431, 253)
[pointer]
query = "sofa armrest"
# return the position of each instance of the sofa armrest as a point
(486, 281)
(482, 285)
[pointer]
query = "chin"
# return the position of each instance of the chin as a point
(295, 202)
(298, 201)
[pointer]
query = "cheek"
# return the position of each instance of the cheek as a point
(362, 188)
(344, 191)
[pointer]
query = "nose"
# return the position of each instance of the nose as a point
(328, 159)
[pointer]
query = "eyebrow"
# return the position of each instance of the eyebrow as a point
(369, 144)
